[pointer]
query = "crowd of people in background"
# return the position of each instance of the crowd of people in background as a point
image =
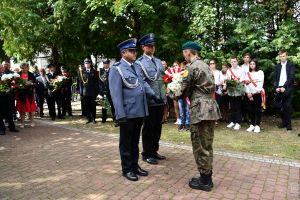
(245, 105)
(236, 106)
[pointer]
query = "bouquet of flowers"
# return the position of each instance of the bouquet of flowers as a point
(58, 83)
(103, 102)
(235, 86)
(25, 86)
(10, 82)
(173, 79)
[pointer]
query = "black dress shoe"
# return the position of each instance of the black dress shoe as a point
(131, 176)
(13, 130)
(88, 122)
(159, 157)
(2, 133)
(281, 126)
(151, 161)
(140, 172)
(117, 124)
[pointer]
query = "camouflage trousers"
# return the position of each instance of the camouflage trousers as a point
(202, 136)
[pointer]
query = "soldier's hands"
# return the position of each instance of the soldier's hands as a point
(122, 121)
(157, 99)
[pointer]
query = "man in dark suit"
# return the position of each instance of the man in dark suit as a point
(283, 82)
(9, 101)
(42, 87)
(89, 83)
(54, 96)
(66, 93)
(79, 88)
(104, 89)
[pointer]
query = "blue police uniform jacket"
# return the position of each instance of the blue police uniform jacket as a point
(152, 73)
(129, 91)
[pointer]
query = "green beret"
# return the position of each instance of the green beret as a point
(191, 45)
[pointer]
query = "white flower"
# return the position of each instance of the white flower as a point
(6, 77)
(16, 75)
(60, 78)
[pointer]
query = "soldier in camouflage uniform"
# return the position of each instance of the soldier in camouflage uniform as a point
(198, 85)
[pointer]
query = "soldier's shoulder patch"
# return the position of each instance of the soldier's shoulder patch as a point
(117, 63)
(185, 73)
(140, 58)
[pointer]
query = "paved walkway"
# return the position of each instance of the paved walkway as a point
(52, 162)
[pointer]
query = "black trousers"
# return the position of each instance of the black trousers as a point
(254, 109)
(244, 108)
(66, 104)
(104, 111)
(286, 115)
(58, 101)
(7, 111)
(90, 107)
(112, 107)
(152, 131)
(83, 113)
(129, 144)
(235, 109)
(40, 103)
(51, 106)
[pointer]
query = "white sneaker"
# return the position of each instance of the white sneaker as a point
(178, 122)
(32, 124)
(250, 129)
(22, 126)
(231, 125)
(256, 129)
(237, 127)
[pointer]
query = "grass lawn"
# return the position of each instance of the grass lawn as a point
(270, 142)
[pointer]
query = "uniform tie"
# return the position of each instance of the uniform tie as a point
(152, 59)
(132, 67)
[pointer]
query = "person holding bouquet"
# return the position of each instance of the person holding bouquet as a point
(184, 108)
(198, 84)
(254, 88)
(236, 89)
(9, 101)
(25, 96)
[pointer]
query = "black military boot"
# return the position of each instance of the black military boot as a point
(197, 178)
(204, 182)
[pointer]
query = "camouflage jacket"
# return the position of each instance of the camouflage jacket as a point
(199, 85)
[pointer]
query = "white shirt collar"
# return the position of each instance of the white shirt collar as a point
(148, 56)
(284, 64)
(127, 62)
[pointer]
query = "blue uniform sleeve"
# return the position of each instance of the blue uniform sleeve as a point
(115, 88)
(148, 90)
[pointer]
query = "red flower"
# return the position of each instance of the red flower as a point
(167, 79)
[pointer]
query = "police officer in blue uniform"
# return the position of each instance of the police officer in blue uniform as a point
(129, 93)
(152, 69)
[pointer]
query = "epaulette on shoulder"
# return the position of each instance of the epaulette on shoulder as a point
(116, 63)
(141, 58)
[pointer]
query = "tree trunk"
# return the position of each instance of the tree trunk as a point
(55, 56)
